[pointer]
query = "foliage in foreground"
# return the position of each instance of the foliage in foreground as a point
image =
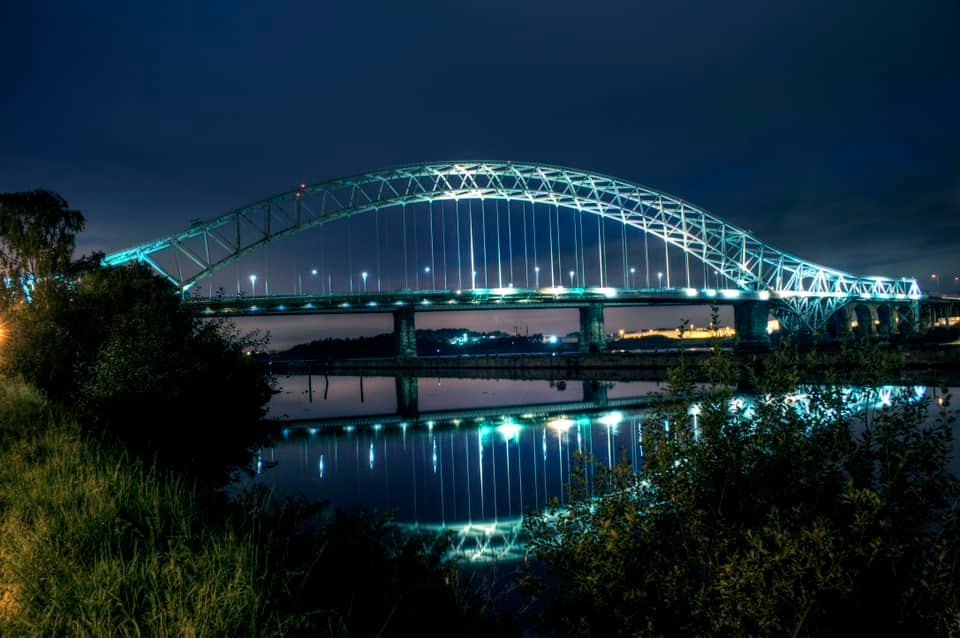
(784, 522)
(132, 402)
(119, 350)
(94, 543)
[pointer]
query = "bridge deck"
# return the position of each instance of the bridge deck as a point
(479, 299)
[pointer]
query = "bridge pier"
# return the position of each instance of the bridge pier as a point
(908, 318)
(592, 334)
(886, 326)
(928, 316)
(750, 322)
(943, 313)
(595, 392)
(405, 333)
(408, 391)
(838, 324)
(866, 319)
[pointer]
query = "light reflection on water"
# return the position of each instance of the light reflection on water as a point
(437, 475)
(475, 476)
(303, 397)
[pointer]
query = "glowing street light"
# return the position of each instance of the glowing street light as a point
(572, 273)
(633, 271)
(427, 270)
(364, 276)
(253, 285)
(660, 280)
(536, 273)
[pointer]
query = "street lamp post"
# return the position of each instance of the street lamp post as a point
(633, 271)
(427, 271)
(571, 278)
(253, 285)
(536, 275)
(936, 279)
(313, 273)
(660, 281)
(473, 279)
(364, 276)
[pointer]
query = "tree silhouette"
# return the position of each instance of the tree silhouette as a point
(37, 236)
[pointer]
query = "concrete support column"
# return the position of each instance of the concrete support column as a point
(750, 321)
(408, 390)
(592, 334)
(839, 323)
(866, 326)
(595, 392)
(927, 316)
(405, 333)
(886, 327)
(909, 319)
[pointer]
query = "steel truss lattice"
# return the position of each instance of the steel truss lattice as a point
(807, 293)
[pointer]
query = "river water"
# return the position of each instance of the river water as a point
(479, 455)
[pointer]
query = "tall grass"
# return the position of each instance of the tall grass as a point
(92, 543)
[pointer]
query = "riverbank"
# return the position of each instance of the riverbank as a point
(935, 364)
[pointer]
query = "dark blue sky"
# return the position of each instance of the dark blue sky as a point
(829, 128)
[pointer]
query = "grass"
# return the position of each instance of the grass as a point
(92, 543)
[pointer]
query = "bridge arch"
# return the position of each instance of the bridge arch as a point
(805, 293)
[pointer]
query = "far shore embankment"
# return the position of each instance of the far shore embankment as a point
(933, 364)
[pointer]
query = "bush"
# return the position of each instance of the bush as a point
(133, 364)
(784, 522)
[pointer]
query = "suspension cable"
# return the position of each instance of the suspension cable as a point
(510, 240)
(459, 259)
(403, 232)
(499, 261)
(433, 265)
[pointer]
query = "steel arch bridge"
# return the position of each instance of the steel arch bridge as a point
(804, 295)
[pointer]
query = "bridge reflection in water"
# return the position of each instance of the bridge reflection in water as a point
(474, 476)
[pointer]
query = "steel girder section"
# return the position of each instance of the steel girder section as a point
(732, 252)
(807, 313)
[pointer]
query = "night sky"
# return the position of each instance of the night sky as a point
(831, 129)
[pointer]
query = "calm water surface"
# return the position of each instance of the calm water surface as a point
(494, 449)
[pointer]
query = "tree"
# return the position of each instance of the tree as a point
(37, 237)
